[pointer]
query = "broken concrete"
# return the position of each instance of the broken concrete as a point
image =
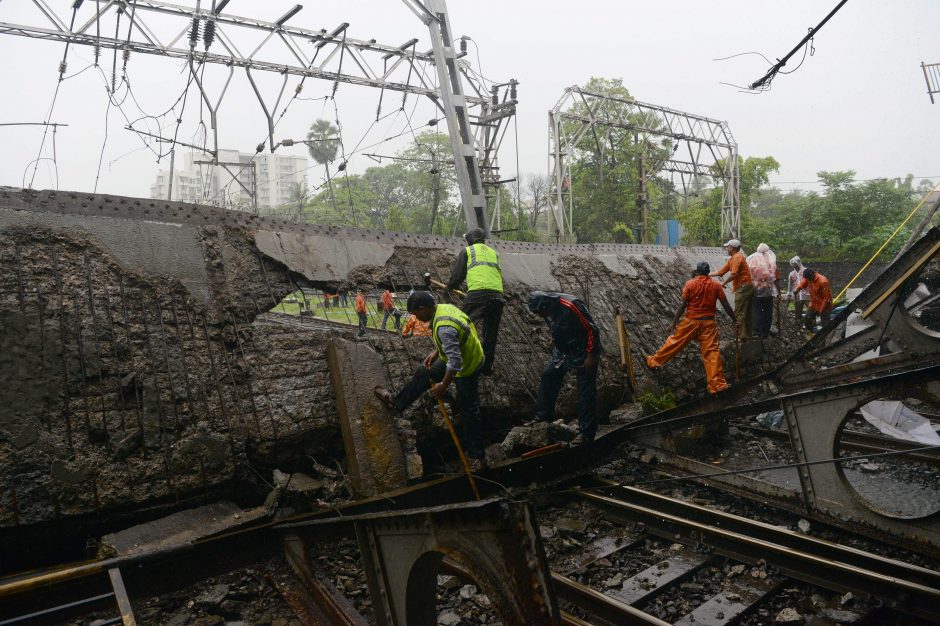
(176, 529)
(147, 371)
(375, 459)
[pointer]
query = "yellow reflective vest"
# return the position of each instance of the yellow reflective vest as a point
(471, 350)
(483, 271)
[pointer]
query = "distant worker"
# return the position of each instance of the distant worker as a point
(361, 312)
(388, 306)
(766, 276)
(458, 358)
(576, 345)
(479, 265)
(820, 298)
(794, 279)
(415, 327)
(699, 298)
(741, 286)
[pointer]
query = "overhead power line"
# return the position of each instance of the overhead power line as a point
(765, 80)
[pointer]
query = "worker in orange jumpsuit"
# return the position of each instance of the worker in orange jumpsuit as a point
(361, 312)
(699, 298)
(820, 297)
(415, 327)
(741, 285)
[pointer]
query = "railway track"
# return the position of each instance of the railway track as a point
(665, 547)
(712, 567)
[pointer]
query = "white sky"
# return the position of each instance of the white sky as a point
(860, 103)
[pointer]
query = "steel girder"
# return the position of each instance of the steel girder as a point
(496, 542)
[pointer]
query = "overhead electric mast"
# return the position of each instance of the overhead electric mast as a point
(203, 35)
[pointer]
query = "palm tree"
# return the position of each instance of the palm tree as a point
(323, 144)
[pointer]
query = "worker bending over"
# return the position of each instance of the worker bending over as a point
(457, 359)
(576, 345)
(699, 298)
(479, 265)
(820, 298)
(739, 275)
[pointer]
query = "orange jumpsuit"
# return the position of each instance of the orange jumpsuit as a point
(700, 295)
(416, 327)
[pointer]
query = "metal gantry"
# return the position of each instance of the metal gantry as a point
(204, 35)
(701, 146)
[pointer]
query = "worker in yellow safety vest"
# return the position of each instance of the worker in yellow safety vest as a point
(458, 359)
(479, 265)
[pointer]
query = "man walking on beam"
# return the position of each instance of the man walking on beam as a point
(699, 298)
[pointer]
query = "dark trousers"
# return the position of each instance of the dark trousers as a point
(552, 379)
(467, 404)
(396, 313)
(810, 319)
(763, 315)
(363, 318)
(485, 310)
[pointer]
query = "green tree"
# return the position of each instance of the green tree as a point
(323, 145)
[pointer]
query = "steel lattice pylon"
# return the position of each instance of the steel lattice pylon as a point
(203, 36)
(711, 148)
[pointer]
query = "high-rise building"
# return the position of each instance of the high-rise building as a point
(273, 178)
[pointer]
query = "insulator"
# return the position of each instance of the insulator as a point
(208, 34)
(512, 90)
(432, 122)
(298, 88)
(62, 67)
(260, 147)
(463, 45)
(341, 167)
(126, 55)
(494, 95)
(287, 142)
(97, 53)
(194, 33)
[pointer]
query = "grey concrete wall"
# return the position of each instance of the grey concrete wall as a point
(141, 366)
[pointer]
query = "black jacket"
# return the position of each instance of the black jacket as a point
(573, 329)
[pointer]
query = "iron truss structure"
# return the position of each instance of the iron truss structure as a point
(700, 146)
(476, 120)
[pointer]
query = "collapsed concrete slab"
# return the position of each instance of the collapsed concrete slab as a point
(152, 371)
(374, 455)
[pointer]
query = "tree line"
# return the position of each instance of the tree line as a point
(415, 190)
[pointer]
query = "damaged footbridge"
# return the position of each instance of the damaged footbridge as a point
(152, 385)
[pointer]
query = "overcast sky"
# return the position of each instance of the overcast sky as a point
(859, 102)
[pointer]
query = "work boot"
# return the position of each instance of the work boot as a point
(385, 397)
(580, 440)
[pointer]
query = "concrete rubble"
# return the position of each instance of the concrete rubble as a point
(148, 371)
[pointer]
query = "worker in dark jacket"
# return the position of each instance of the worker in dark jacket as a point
(478, 264)
(576, 346)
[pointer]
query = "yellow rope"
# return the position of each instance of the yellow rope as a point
(887, 241)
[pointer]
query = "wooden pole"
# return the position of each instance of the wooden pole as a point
(626, 356)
